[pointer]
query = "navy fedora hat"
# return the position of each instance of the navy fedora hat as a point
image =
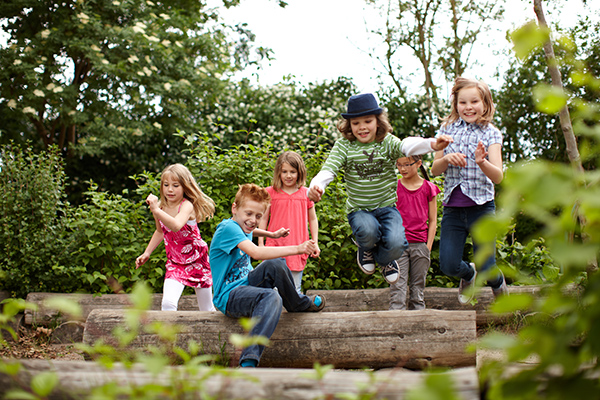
(362, 104)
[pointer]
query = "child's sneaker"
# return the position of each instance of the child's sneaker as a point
(466, 288)
(365, 261)
(317, 303)
(502, 290)
(391, 272)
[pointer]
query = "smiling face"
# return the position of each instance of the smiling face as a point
(248, 214)
(289, 176)
(364, 128)
(171, 190)
(469, 104)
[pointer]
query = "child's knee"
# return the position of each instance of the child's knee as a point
(168, 305)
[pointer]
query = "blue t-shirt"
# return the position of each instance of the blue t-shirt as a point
(229, 265)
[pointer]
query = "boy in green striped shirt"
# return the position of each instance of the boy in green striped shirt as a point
(368, 153)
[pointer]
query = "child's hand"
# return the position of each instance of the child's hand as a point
(308, 247)
(442, 142)
(317, 252)
(456, 159)
(480, 153)
(152, 202)
(282, 232)
(315, 193)
(141, 260)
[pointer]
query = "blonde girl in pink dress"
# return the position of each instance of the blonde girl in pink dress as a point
(182, 205)
(291, 209)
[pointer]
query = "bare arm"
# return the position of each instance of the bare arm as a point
(157, 238)
(262, 225)
(432, 223)
(173, 223)
(313, 223)
(441, 162)
(260, 233)
(268, 253)
(492, 165)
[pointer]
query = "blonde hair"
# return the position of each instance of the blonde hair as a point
(204, 206)
(486, 97)
(296, 162)
(383, 127)
(251, 191)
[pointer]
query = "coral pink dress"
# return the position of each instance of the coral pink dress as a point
(290, 211)
(187, 256)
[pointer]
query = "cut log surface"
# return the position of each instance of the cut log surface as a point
(77, 378)
(374, 339)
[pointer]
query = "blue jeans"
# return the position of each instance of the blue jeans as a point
(456, 226)
(260, 299)
(379, 231)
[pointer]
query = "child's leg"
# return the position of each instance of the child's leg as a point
(392, 242)
(495, 279)
(204, 296)
(172, 290)
(419, 265)
(365, 228)
(276, 274)
(399, 288)
(297, 277)
(264, 304)
(453, 236)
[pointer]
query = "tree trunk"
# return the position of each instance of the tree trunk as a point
(76, 379)
(376, 339)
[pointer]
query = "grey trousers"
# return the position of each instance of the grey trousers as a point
(414, 264)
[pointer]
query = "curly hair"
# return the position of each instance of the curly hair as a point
(251, 191)
(383, 127)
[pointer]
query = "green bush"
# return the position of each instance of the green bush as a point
(33, 240)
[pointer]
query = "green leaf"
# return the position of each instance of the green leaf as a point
(549, 99)
(43, 383)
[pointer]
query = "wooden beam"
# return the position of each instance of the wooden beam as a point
(373, 339)
(76, 379)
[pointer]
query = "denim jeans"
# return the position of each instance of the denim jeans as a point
(380, 231)
(456, 226)
(260, 299)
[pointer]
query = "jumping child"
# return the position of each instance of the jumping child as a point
(417, 203)
(472, 164)
(291, 208)
(182, 205)
(368, 153)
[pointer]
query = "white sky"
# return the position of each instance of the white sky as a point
(318, 40)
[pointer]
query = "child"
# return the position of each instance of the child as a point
(417, 203)
(182, 205)
(472, 164)
(368, 153)
(291, 208)
(241, 291)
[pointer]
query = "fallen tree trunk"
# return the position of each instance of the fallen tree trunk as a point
(375, 339)
(337, 301)
(76, 379)
(435, 298)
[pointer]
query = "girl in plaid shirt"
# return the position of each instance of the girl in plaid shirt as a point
(472, 165)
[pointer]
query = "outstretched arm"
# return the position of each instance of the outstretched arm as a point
(268, 253)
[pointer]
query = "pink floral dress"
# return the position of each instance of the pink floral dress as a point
(187, 256)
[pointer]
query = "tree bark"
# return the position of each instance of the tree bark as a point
(376, 339)
(76, 379)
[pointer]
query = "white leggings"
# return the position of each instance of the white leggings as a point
(172, 293)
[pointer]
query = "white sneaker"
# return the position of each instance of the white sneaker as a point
(466, 290)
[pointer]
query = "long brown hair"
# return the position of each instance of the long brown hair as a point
(204, 206)
(383, 127)
(296, 162)
(486, 96)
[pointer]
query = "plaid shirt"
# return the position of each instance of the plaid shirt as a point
(473, 182)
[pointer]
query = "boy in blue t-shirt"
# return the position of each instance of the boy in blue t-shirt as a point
(240, 290)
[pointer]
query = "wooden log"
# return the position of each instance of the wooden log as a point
(374, 339)
(435, 298)
(76, 379)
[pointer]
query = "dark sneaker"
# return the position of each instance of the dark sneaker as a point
(391, 272)
(502, 290)
(318, 298)
(466, 289)
(365, 261)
